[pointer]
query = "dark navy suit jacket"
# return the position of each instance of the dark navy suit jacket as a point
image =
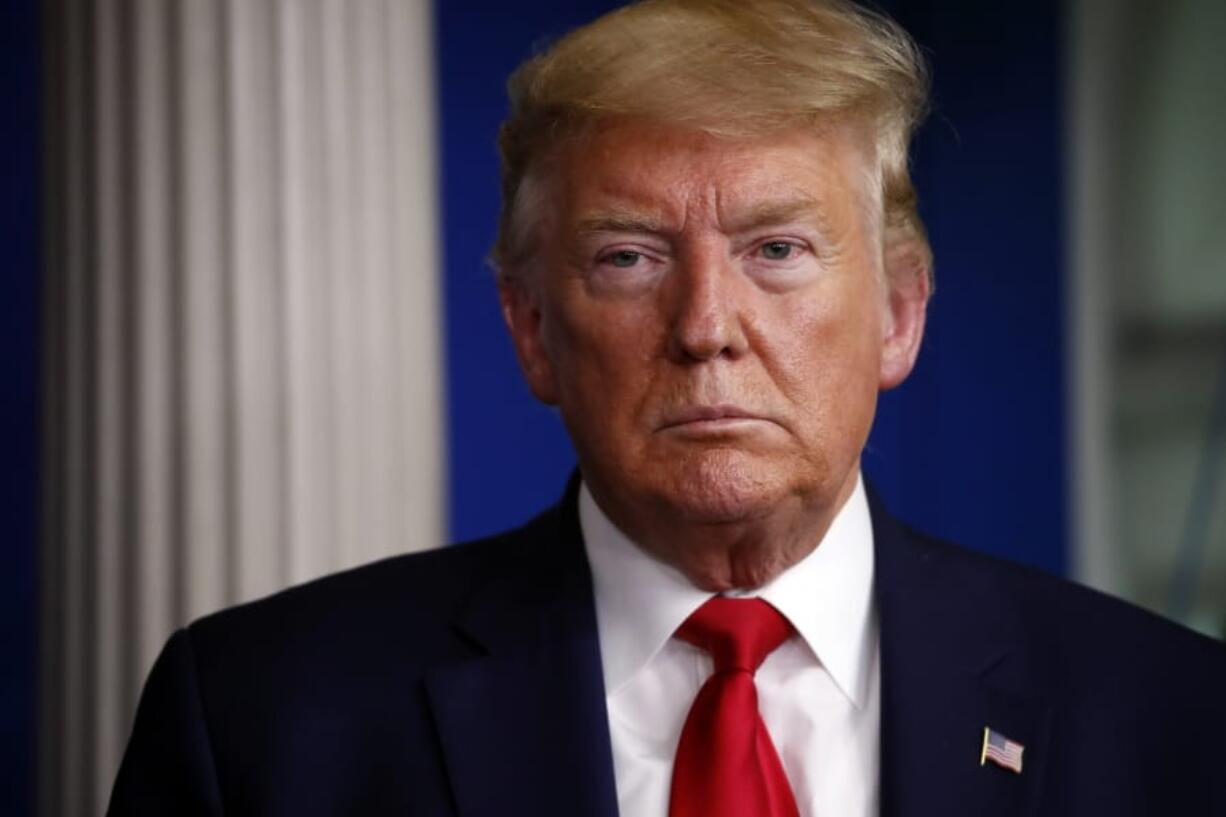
(467, 681)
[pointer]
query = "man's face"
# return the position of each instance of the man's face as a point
(711, 317)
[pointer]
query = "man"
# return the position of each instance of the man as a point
(711, 262)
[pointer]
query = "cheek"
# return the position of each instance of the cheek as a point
(602, 355)
(831, 370)
(835, 337)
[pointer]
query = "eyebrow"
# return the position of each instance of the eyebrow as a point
(776, 212)
(619, 221)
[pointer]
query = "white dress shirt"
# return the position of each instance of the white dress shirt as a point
(819, 693)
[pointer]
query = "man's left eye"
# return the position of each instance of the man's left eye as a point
(623, 259)
(777, 250)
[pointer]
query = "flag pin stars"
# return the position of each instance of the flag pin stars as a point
(1001, 750)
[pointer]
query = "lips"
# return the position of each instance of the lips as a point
(714, 415)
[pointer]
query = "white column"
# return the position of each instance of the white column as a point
(242, 365)
(1092, 92)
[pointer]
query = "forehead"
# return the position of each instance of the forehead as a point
(676, 174)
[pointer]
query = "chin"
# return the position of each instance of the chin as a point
(723, 486)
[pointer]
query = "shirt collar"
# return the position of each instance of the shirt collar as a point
(641, 601)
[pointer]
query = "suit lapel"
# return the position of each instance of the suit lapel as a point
(524, 727)
(952, 663)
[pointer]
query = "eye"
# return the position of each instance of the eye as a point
(624, 259)
(777, 250)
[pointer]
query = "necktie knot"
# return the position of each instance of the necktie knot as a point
(738, 633)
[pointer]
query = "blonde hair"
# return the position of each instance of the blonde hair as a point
(732, 68)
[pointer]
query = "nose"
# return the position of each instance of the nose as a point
(708, 309)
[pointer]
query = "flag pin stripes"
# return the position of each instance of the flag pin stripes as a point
(1001, 750)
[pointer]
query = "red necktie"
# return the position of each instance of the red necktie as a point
(726, 765)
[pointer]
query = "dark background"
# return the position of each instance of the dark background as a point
(19, 322)
(971, 448)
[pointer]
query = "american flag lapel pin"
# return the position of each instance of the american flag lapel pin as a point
(1000, 750)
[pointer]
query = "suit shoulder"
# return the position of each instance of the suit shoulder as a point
(414, 596)
(1078, 625)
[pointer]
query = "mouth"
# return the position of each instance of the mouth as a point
(720, 418)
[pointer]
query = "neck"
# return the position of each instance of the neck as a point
(742, 554)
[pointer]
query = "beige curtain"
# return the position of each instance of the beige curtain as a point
(242, 385)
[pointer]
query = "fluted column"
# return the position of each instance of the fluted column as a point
(242, 385)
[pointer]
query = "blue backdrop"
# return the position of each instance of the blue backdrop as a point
(971, 447)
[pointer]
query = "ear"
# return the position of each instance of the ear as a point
(908, 263)
(522, 312)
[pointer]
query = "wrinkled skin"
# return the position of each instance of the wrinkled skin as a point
(714, 319)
